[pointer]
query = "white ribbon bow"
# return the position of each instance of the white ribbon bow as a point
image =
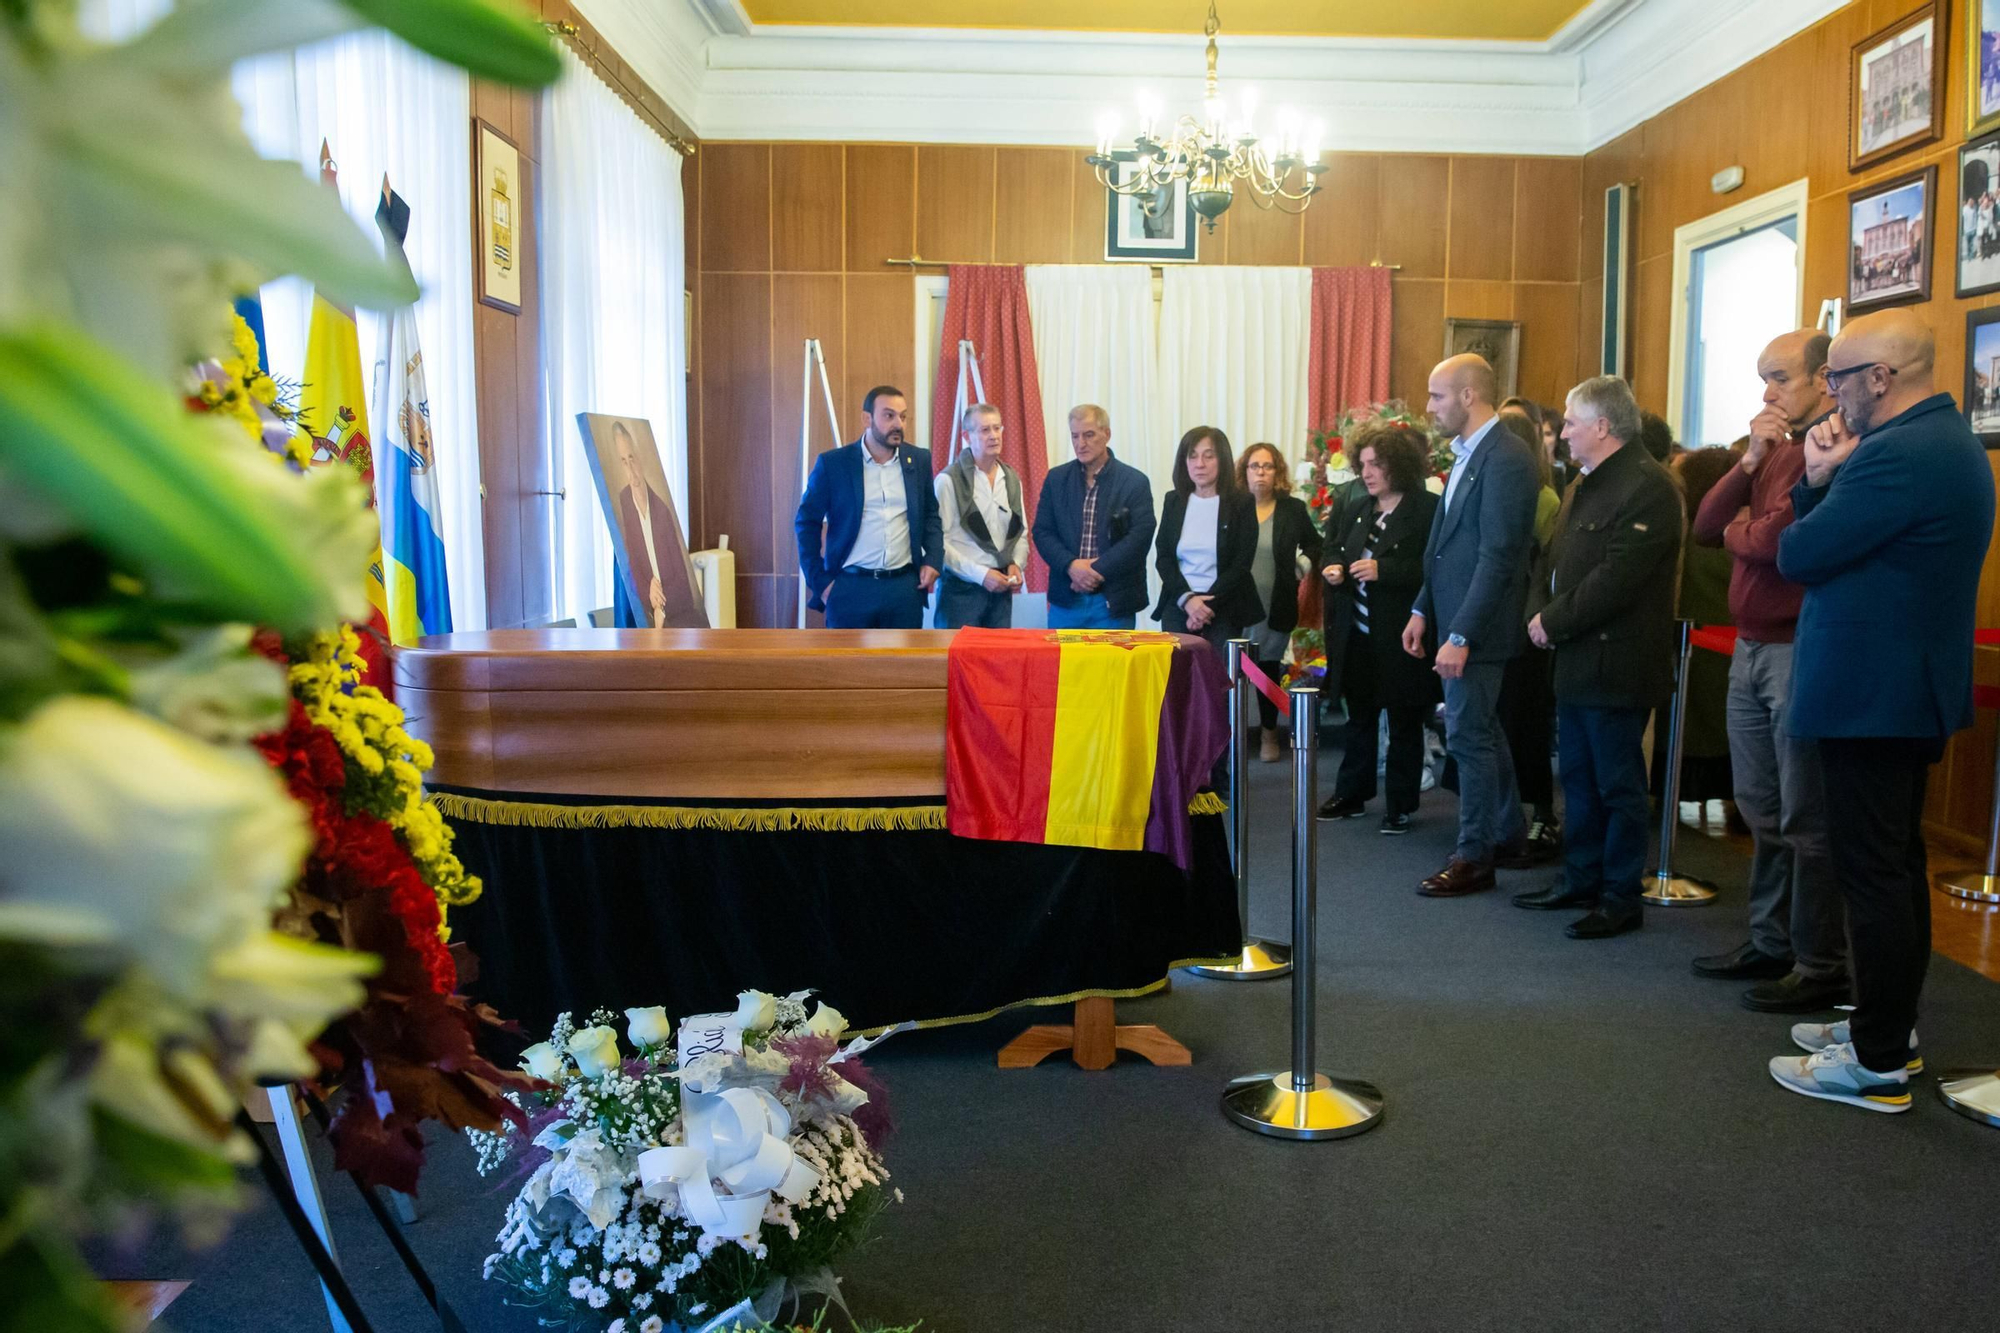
(738, 1138)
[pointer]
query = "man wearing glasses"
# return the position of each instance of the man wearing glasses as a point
(1894, 515)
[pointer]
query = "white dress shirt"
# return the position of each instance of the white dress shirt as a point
(884, 539)
(962, 555)
(1463, 449)
(1196, 549)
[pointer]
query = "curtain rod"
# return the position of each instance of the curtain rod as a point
(571, 37)
(915, 262)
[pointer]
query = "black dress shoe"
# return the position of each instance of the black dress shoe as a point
(1555, 898)
(1395, 824)
(1794, 993)
(1746, 962)
(1341, 807)
(1605, 921)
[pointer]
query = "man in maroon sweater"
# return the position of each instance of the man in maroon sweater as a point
(1797, 945)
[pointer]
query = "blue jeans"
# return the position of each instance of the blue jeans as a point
(1603, 760)
(1088, 611)
(1489, 804)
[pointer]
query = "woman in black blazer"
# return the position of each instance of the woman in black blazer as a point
(1375, 567)
(1285, 531)
(1208, 537)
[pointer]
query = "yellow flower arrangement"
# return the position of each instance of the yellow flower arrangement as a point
(244, 391)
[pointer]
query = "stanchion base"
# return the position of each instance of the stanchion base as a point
(1334, 1109)
(1262, 960)
(1971, 884)
(1678, 891)
(1973, 1093)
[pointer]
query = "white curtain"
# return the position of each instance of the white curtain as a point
(1095, 343)
(384, 108)
(1234, 346)
(613, 323)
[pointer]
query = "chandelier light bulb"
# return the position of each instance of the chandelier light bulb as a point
(1107, 130)
(1247, 125)
(1314, 137)
(1288, 131)
(1149, 114)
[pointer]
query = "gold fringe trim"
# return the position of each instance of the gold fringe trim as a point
(1071, 998)
(733, 819)
(1207, 803)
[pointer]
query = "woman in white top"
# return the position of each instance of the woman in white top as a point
(1207, 542)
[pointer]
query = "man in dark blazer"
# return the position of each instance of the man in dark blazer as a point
(1608, 611)
(1094, 526)
(1475, 584)
(870, 541)
(1894, 514)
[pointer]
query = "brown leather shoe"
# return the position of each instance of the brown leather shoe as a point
(1458, 878)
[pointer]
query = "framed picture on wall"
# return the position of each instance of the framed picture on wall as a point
(1979, 217)
(1895, 87)
(1498, 340)
(499, 195)
(1982, 65)
(1888, 241)
(1156, 228)
(1982, 375)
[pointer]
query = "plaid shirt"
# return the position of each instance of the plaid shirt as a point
(1086, 546)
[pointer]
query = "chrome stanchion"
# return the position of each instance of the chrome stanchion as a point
(1982, 886)
(1669, 889)
(1301, 1102)
(1260, 960)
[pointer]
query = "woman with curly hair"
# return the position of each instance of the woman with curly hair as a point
(1285, 533)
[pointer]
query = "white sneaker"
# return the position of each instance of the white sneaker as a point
(1833, 1074)
(1819, 1036)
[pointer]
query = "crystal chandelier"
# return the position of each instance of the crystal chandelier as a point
(1212, 154)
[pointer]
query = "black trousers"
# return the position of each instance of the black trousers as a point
(1361, 692)
(1875, 839)
(860, 602)
(960, 604)
(1527, 715)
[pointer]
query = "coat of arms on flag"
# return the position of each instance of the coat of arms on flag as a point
(419, 594)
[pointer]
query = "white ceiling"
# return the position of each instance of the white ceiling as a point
(1615, 64)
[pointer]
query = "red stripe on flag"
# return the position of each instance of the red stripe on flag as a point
(1266, 687)
(1986, 636)
(1715, 638)
(1986, 696)
(1000, 727)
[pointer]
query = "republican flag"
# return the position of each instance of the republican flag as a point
(412, 528)
(1080, 738)
(333, 407)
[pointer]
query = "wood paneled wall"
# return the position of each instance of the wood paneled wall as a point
(1781, 117)
(792, 238)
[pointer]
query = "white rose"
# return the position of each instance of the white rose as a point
(543, 1060)
(755, 1010)
(596, 1051)
(827, 1022)
(648, 1027)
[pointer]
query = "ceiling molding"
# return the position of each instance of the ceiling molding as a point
(1610, 66)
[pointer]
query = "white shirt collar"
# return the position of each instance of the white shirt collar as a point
(1463, 445)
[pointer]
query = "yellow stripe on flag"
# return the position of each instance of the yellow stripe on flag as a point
(1107, 730)
(334, 406)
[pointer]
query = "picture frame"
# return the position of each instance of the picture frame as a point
(1895, 86)
(501, 198)
(1976, 267)
(648, 545)
(1498, 340)
(1981, 398)
(1982, 66)
(1889, 241)
(1148, 231)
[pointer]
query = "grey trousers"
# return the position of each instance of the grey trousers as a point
(1489, 804)
(1795, 904)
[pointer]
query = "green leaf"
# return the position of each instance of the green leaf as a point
(153, 1166)
(49, 1290)
(493, 39)
(127, 463)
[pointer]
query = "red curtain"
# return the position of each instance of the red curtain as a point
(1348, 360)
(988, 304)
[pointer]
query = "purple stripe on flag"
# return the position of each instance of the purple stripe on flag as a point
(1194, 732)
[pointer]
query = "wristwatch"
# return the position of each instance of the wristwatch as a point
(1456, 640)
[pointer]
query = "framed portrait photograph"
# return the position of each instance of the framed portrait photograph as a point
(500, 195)
(651, 553)
(1896, 87)
(1982, 375)
(1982, 66)
(1888, 241)
(1156, 228)
(1979, 217)
(1498, 340)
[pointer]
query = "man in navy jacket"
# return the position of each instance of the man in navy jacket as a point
(1094, 527)
(1894, 515)
(871, 505)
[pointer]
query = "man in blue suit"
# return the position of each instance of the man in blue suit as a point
(870, 542)
(1894, 515)
(1094, 526)
(1472, 606)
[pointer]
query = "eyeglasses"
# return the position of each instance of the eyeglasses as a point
(1260, 467)
(1834, 377)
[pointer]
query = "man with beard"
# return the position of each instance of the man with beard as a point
(870, 540)
(1894, 515)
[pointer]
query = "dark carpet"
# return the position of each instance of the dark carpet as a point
(1579, 1136)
